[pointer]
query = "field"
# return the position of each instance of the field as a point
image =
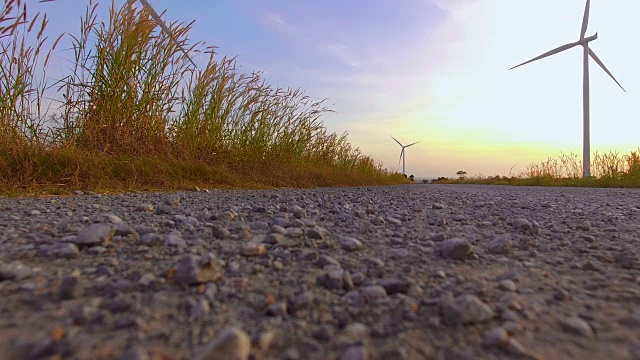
(134, 113)
(608, 170)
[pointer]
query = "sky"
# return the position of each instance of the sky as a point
(433, 71)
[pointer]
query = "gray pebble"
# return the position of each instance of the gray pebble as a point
(455, 248)
(95, 234)
(232, 344)
(577, 326)
(466, 309)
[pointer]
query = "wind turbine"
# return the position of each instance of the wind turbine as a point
(402, 156)
(584, 41)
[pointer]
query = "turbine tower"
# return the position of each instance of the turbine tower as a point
(584, 41)
(402, 156)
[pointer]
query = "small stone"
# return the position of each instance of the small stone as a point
(584, 226)
(515, 348)
(70, 288)
(437, 206)
(294, 232)
(114, 219)
(350, 243)
(277, 229)
(273, 239)
(135, 352)
(277, 309)
(495, 337)
(507, 285)
(15, 270)
(60, 250)
(172, 200)
(332, 279)
(373, 292)
(146, 279)
(323, 333)
(394, 221)
(465, 309)
(500, 245)
(456, 248)
(250, 250)
(199, 308)
(232, 344)
(459, 217)
(439, 237)
(315, 234)
(324, 260)
(522, 224)
(395, 285)
(151, 239)
(190, 272)
(95, 234)
(145, 207)
(220, 232)
(163, 209)
(265, 339)
(174, 239)
(302, 300)
(355, 352)
(577, 326)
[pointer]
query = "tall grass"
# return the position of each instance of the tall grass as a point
(608, 170)
(132, 98)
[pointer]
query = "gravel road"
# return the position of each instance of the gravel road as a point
(405, 272)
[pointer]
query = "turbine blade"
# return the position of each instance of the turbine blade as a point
(549, 53)
(396, 140)
(597, 59)
(585, 20)
(165, 28)
(412, 144)
(401, 154)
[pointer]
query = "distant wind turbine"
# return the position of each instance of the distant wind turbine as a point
(402, 156)
(584, 41)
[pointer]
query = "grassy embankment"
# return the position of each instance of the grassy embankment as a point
(608, 170)
(133, 113)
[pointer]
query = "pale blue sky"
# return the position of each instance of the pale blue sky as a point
(433, 71)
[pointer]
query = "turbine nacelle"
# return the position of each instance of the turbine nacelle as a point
(585, 41)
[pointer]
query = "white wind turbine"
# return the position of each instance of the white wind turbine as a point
(402, 156)
(584, 41)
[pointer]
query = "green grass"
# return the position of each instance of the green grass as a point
(133, 113)
(608, 170)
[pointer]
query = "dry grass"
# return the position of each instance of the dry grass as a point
(134, 113)
(608, 170)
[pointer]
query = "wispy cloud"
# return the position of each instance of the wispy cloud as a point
(276, 22)
(343, 53)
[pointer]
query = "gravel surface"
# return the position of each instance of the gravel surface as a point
(405, 272)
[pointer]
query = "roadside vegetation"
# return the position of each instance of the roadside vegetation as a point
(608, 170)
(134, 113)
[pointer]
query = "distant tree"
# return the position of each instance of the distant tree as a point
(411, 177)
(461, 174)
(425, 181)
(405, 175)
